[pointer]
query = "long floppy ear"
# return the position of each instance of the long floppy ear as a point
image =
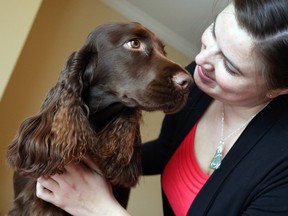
(59, 133)
(119, 149)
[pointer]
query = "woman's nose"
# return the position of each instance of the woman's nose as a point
(207, 54)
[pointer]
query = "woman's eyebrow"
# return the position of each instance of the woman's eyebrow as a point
(227, 59)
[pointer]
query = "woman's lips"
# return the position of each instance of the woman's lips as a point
(203, 75)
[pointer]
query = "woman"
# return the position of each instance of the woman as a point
(226, 152)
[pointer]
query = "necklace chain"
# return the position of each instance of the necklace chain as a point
(217, 159)
(235, 131)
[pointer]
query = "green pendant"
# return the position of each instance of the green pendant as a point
(216, 160)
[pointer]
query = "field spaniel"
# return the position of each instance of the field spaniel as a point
(94, 110)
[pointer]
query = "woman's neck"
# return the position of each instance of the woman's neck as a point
(235, 115)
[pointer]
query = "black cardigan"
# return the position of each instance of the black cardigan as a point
(253, 177)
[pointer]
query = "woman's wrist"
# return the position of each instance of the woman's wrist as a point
(109, 209)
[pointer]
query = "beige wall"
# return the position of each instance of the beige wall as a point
(59, 28)
(16, 19)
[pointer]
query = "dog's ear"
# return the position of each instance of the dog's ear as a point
(46, 142)
(119, 149)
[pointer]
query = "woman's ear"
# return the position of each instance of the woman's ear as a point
(277, 92)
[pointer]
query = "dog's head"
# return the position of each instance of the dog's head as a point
(120, 63)
(128, 64)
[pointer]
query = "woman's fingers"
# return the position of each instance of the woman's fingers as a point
(44, 188)
(80, 190)
(91, 165)
(48, 183)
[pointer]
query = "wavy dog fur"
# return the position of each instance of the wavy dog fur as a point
(94, 110)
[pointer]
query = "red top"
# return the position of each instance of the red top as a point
(183, 178)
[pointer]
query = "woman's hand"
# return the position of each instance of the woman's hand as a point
(80, 190)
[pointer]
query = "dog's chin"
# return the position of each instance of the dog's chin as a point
(173, 108)
(167, 108)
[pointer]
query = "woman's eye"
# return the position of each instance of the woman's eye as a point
(135, 44)
(227, 68)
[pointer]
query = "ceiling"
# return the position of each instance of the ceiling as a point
(179, 23)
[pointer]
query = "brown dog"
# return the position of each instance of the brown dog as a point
(94, 110)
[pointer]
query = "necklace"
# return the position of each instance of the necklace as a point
(217, 159)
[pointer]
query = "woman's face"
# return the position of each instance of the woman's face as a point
(226, 67)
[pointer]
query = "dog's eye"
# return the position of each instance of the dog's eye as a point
(134, 44)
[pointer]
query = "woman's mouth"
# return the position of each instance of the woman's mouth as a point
(203, 74)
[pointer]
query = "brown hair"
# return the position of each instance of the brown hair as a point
(267, 22)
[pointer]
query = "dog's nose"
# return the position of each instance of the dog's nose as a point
(182, 80)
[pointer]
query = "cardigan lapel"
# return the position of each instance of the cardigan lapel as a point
(256, 129)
